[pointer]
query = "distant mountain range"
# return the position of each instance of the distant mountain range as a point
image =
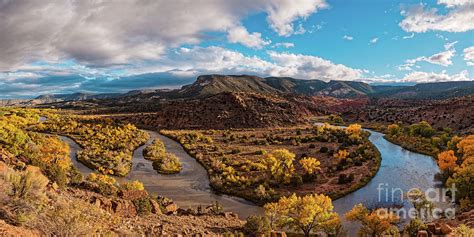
(208, 85)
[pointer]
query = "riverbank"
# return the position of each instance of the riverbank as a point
(411, 146)
(236, 160)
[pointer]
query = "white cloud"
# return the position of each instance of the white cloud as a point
(406, 67)
(460, 17)
(284, 45)
(409, 36)
(310, 67)
(423, 77)
(374, 40)
(103, 33)
(240, 35)
(454, 3)
(282, 13)
(192, 61)
(469, 55)
(348, 37)
(442, 58)
(221, 60)
(448, 46)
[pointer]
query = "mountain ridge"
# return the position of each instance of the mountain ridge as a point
(208, 85)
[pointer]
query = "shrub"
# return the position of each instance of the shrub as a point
(26, 184)
(344, 179)
(261, 152)
(134, 185)
(261, 192)
(336, 119)
(310, 165)
(423, 129)
(169, 164)
(216, 208)
(323, 149)
(70, 218)
(257, 225)
(57, 175)
(412, 228)
(143, 205)
(394, 129)
(296, 180)
(463, 230)
(75, 177)
(106, 185)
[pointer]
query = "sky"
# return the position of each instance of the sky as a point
(99, 46)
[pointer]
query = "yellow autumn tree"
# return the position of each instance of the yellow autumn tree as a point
(354, 129)
(393, 129)
(463, 175)
(310, 165)
(308, 213)
(341, 154)
(374, 223)
(280, 165)
(447, 161)
(463, 178)
(466, 147)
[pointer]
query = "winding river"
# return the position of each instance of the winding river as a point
(400, 168)
(189, 188)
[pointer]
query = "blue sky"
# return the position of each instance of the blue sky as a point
(72, 46)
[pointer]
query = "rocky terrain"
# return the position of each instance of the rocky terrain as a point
(124, 214)
(216, 101)
(455, 113)
(221, 111)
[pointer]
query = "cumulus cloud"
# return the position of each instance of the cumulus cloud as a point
(284, 45)
(469, 55)
(423, 77)
(103, 33)
(239, 34)
(220, 60)
(178, 67)
(282, 13)
(459, 18)
(454, 3)
(348, 37)
(442, 58)
(305, 66)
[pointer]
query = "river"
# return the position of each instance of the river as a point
(189, 188)
(400, 168)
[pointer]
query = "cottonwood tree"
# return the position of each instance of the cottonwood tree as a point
(374, 223)
(447, 161)
(308, 213)
(310, 165)
(280, 165)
